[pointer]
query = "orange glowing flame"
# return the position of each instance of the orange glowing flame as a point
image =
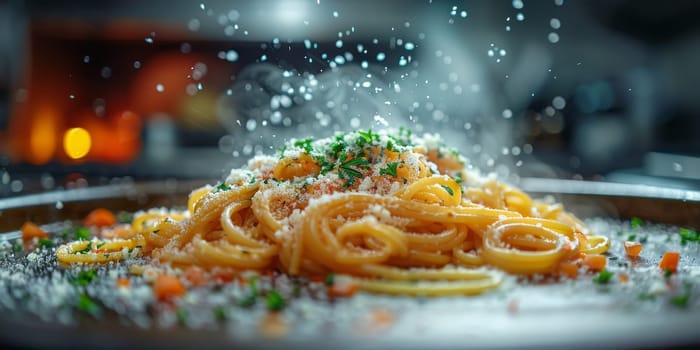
(42, 139)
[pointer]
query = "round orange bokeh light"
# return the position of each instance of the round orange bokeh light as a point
(162, 83)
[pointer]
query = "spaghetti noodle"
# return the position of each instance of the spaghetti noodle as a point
(398, 213)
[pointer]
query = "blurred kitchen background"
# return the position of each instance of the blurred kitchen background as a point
(102, 92)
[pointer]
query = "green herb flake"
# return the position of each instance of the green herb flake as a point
(603, 277)
(355, 162)
(448, 189)
(181, 315)
(305, 144)
(18, 248)
(45, 243)
(253, 282)
(668, 273)
(85, 250)
(390, 169)
(325, 165)
(82, 233)
(87, 305)
(274, 301)
(631, 237)
(248, 301)
(124, 217)
(390, 146)
(296, 291)
(220, 313)
(338, 146)
(221, 187)
(683, 299)
(85, 277)
(330, 279)
(646, 296)
(346, 172)
(368, 135)
(688, 235)
(280, 152)
(636, 222)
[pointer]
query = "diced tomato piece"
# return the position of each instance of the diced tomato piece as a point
(670, 261)
(568, 269)
(166, 287)
(343, 289)
(31, 230)
(195, 276)
(100, 217)
(595, 262)
(633, 249)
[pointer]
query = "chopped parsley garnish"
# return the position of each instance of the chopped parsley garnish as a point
(330, 279)
(683, 299)
(280, 152)
(354, 162)
(82, 233)
(390, 169)
(366, 137)
(668, 273)
(325, 165)
(124, 217)
(448, 189)
(85, 277)
(404, 136)
(87, 305)
(181, 315)
(220, 313)
(647, 296)
(274, 301)
(688, 235)
(636, 222)
(631, 237)
(337, 146)
(390, 146)
(603, 277)
(346, 172)
(85, 250)
(248, 301)
(18, 247)
(253, 281)
(305, 144)
(458, 179)
(45, 243)
(221, 187)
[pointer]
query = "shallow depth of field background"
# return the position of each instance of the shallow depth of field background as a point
(103, 92)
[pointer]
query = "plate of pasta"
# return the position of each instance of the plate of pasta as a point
(363, 239)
